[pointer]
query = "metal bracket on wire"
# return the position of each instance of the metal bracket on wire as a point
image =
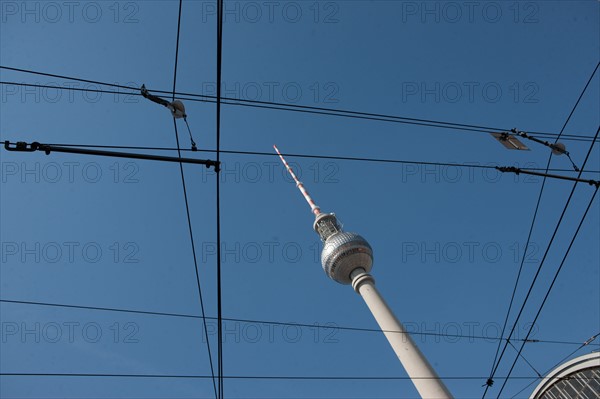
(517, 171)
(22, 146)
(557, 148)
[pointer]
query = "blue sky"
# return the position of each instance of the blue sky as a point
(113, 233)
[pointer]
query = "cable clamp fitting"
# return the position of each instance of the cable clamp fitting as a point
(512, 169)
(22, 146)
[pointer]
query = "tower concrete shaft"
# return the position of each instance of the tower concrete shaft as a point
(347, 258)
(423, 376)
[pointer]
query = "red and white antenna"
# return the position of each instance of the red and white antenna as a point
(313, 207)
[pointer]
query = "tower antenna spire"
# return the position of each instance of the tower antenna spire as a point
(313, 207)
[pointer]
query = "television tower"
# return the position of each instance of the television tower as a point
(347, 258)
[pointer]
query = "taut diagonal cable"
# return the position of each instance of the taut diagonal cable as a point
(497, 359)
(187, 209)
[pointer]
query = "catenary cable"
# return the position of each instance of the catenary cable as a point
(547, 251)
(218, 195)
(548, 291)
(187, 207)
(313, 156)
(295, 107)
(497, 359)
(261, 377)
(561, 361)
(300, 109)
(327, 325)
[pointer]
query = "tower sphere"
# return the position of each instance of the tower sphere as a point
(342, 253)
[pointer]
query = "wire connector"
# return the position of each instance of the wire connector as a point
(153, 98)
(557, 148)
(22, 146)
(194, 148)
(19, 146)
(176, 106)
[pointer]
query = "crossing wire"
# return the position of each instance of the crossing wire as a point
(187, 207)
(301, 108)
(218, 107)
(218, 196)
(546, 253)
(561, 361)
(327, 326)
(292, 107)
(269, 377)
(472, 165)
(497, 360)
(549, 290)
(556, 274)
(401, 161)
